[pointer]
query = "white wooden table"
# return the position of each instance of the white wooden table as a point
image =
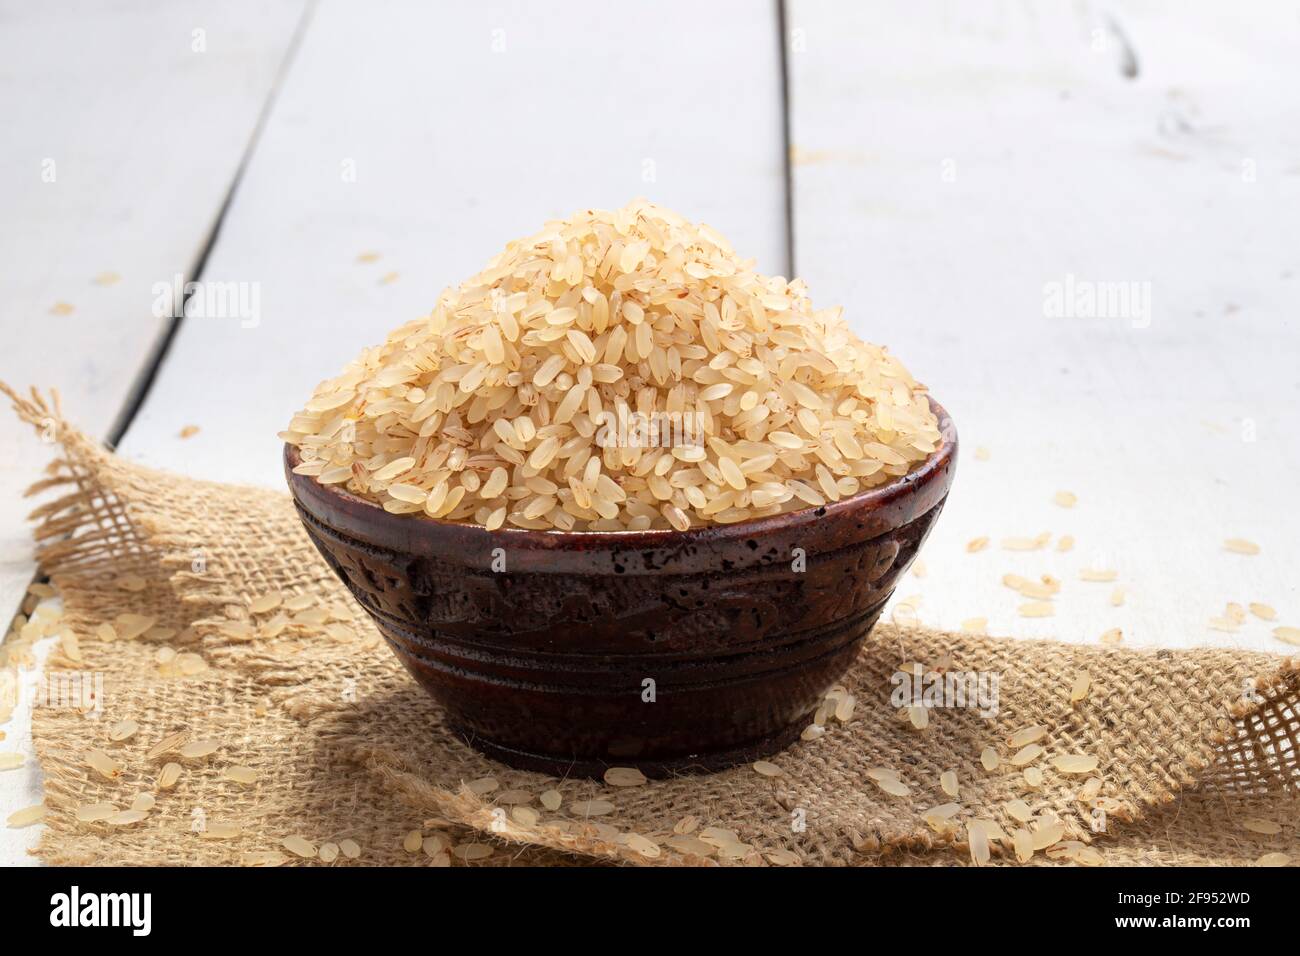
(951, 166)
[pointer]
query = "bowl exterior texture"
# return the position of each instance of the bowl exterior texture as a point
(568, 653)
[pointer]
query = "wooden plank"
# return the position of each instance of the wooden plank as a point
(955, 165)
(122, 138)
(465, 126)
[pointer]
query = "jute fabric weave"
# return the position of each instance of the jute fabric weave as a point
(1191, 745)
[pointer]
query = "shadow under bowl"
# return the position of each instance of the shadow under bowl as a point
(569, 652)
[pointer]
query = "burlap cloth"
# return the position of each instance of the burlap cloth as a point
(1191, 743)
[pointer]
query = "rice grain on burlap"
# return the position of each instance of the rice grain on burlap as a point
(1190, 743)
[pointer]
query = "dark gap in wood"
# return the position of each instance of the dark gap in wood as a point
(784, 40)
(1128, 59)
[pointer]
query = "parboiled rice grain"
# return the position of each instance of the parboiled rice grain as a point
(239, 774)
(167, 744)
(1019, 810)
(26, 816)
(1027, 735)
(168, 776)
(1289, 635)
(591, 808)
(104, 764)
(122, 730)
(508, 798)
(948, 783)
(1026, 755)
(221, 831)
(978, 841)
(198, 749)
(1023, 844)
(125, 818)
(1260, 825)
(517, 379)
(624, 777)
(95, 812)
(299, 846)
(1075, 763)
(1098, 576)
(472, 851)
(1079, 689)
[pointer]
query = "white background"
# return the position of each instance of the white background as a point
(949, 161)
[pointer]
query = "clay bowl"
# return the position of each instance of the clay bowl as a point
(568, 652)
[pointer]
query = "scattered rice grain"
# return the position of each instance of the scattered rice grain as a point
(1289, 635)
(1263, 611)
(167, 744)
(122, 730)
(1098, 576)
(26, 816)
(1260, 825)
(624, 777)
(198, 749)
(299, 846)
(168, 776)
(240, 774)
(948, 783)
(1037, 609)
(591, 808)
(1027, 735)
(95, 812)
(221, 831)
(125, 818)
(1075, 763)
(472, 851)
(103, 764)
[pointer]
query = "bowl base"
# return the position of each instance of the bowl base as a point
(567, 767)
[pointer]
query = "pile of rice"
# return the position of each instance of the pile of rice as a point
(617, 371)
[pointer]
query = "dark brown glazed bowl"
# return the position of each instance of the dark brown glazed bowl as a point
(546, 665)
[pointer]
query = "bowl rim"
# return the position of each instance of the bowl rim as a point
(872, 499)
